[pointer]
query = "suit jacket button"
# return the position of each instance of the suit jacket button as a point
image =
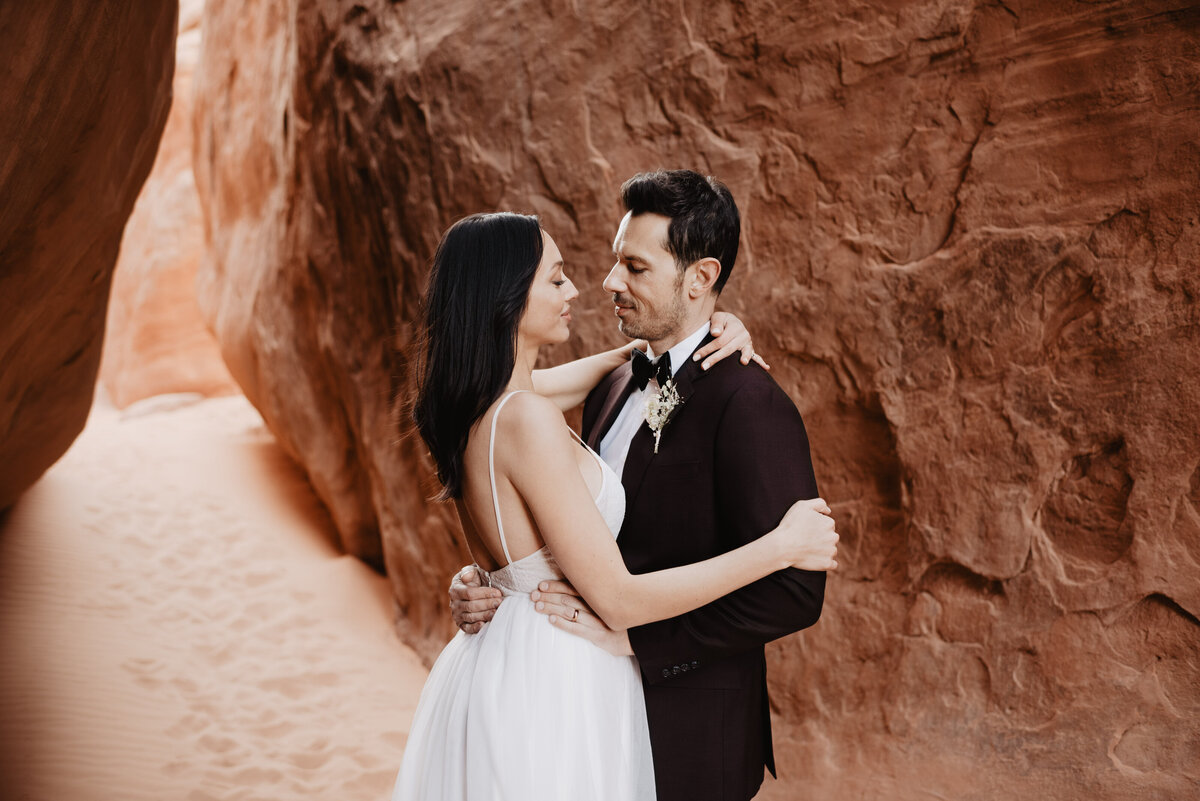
(684, 667)
(666, 673)
(675, 670)
(695, 664)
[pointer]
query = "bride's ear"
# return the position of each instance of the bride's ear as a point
(701, 276)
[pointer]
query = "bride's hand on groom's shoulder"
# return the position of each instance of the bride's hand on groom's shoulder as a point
(730, 336)
(569, 612)
(471, 603)
(809, 535)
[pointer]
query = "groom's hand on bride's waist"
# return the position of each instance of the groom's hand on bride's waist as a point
(471, 603)
(569, 612)
(558, 598)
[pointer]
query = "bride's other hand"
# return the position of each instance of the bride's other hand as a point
(569, 612)
(731, 336)
(808, 536)
(471, 603)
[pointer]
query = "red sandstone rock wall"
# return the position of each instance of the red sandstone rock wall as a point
(970, 247)
(156, 340)
(85, 91)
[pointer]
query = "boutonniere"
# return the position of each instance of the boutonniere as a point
(660, 408)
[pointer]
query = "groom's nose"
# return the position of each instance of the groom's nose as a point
(613, 284)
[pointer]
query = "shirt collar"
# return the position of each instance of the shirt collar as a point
(683, 351)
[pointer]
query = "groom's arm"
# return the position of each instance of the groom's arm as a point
(762, 466)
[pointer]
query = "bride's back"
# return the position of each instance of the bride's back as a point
(475, 507)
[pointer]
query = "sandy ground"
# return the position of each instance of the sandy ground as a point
(174, 624)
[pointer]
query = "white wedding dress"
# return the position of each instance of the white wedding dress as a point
(523, 711)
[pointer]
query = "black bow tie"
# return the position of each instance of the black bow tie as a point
(645, 368)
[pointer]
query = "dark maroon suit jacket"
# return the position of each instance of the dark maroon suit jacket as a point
(733, 458)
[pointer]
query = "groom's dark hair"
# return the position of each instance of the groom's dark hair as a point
(704, 219)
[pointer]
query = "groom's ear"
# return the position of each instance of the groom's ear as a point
(701, 276)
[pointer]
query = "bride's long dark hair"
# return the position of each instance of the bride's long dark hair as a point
(478, 289)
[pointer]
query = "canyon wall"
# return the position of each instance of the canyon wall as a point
(970, 243)
(156, 341)
(85, 94)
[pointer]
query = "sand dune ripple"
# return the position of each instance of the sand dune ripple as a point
(176, 624)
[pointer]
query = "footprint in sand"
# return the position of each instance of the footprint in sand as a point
(188, 725)
(185, 685)
(200, 592)
(114, 604)
(309, 760)
(144, 671)
(217, 743)
(371, 781)
(299, 686)
(257, 776)
(200, 795)
(365, 760)
(176, 768)
(275, 730)
(254, 580)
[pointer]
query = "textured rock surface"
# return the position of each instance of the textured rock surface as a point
(156, 341)
(85, 93)
(971, 237)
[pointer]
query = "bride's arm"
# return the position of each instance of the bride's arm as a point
(567, 385)
(545, 473)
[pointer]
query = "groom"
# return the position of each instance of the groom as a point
(731, 458)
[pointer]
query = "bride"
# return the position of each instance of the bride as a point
(537, 504)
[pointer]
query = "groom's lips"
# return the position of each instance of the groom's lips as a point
(618, 309)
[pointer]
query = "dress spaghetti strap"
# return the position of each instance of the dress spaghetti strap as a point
(492, 474)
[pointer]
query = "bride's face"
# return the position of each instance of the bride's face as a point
(547, 317)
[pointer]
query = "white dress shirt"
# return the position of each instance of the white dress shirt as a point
(614, 447)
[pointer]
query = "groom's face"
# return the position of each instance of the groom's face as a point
(646, 284)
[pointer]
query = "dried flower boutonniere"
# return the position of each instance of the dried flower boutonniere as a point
(660, 407)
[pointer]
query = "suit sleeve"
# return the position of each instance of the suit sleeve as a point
(761, 467)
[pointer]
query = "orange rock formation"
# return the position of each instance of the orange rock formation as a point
(85, 92)
(969, 249)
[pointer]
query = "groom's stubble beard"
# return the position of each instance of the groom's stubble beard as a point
(664, 325)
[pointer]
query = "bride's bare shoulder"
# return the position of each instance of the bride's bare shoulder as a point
(530, 410)
(532, 420)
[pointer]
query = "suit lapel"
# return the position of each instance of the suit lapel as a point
(622, 385)
(641, 447)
